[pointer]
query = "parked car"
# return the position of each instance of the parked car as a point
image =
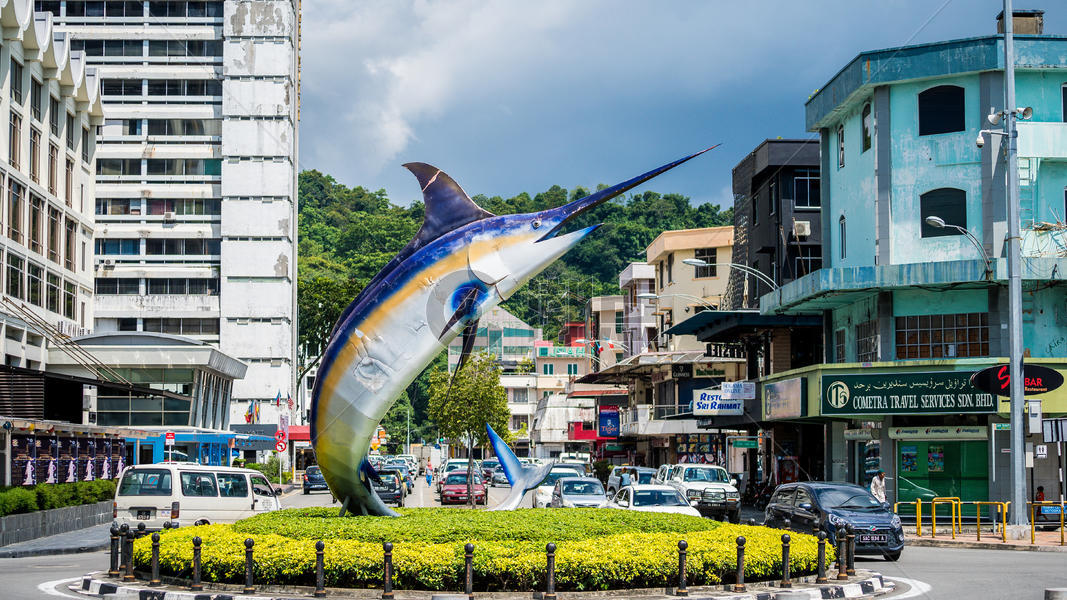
(499, 478)
(708, 488)
(578, 492)
(190, 494)
(405, 474)
(652, 498)
(637, 475)
(313, 480)
(451, 465)
(543, 493)
(454, 490)
(391, 487)
(830, 506)
(488, 466)
(579, 466)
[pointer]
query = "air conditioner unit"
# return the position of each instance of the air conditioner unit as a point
(801, 228)
(168, 216)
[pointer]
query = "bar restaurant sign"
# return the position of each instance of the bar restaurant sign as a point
(949, 392)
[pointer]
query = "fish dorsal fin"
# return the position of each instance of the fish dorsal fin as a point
(447, 205)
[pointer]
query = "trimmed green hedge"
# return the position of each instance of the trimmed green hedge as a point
(45, 496)
(597, 549)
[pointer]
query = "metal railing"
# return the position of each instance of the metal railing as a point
(1033, 524)
(955, 503)
(918, 504)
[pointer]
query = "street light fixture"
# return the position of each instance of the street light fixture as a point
(696, 262)
(651, 296)
(939, 223)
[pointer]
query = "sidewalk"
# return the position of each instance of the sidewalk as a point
(1044, 541)
(90, 539)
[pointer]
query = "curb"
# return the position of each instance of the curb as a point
(55, 551)
(935, 543)
(871, 587)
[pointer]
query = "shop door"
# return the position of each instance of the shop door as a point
(930, 468)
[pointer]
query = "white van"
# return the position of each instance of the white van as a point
(190, 494)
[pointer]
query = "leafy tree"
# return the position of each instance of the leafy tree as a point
(475, 399)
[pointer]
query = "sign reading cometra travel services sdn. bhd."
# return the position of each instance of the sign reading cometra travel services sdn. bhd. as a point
(904, 394)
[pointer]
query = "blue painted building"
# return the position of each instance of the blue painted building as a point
(910, 310)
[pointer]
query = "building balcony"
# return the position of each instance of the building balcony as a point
(647, 420)
(173, 305)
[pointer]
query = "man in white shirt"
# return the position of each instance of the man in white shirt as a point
(878, 486)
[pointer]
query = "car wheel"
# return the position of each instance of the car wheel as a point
(202, 522)
(893, 556)
(736, 517)
(306, 491)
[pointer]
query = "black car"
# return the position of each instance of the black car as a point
(390, 489)
(830, 506)
(313, 480)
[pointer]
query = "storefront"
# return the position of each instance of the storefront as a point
(795, 445)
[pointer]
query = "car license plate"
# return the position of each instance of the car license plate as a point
(144, 515)
(868, 538)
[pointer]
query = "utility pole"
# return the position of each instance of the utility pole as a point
(1015, 318)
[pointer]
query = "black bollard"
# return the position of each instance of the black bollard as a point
(320, 570)
(785, 583)
(821, 576)
(850, 549)
(129, 557)
(141, 530)
(114, 570)
(196, 586)
(752, 522)
(123, 529)
(166, 524)
(155, 582)
(550, 573)
(739, 583)
(468, 564)
(387, 572)
(249, 587)
(681, 591)
(787, 525)
(842, 545)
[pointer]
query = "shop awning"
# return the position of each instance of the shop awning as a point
(645, 364)
(300, 433)
(729, 325)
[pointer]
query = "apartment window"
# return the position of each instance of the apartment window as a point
(868, 126)
(806, 192)
(520, 395)
(16, 197)
(54, 227)
(52, 292)
(36, 224)
(125, 126)
(14, 275)
(70, 131)
(619, 321)
(121, 286)
(85, 145)
(949, 204)
(572, 368)
(68, 299)
(867, 341)
(841, 234)
(182, 326)
(185, 127)
(191, 287)
(14, 139)
(710, 256)
(118, 166)
(187, 166)
(184, 206)
(118, 247)
(1063, 93)
(35, 155)
(840, 146)
(670, 267)
(189, 246)
(548, 369)
(111, 48)
(808, 260)
(68, 181)
(121, 87)
(53, 115)
(34, 284)
(68, 246)
(943, 336)
(179, 48)
(35, 99)
(839, 346)
(185, 9)
(184, 87)
(53, 157)
(941, 110)
(127, 324)
(16, 81)
(118, 206)
(51, 6)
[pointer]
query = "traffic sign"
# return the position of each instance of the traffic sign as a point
(280, 436)
(169, 438)
(280, 446)
(744, 443)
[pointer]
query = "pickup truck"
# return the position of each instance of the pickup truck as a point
(708, 488)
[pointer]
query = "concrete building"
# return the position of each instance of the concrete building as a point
(196, 176)
(605, 322)
(912, 307)
(639, 322)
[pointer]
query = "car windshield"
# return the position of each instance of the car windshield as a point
(460, 479)
(658, 498)
(145, 482)
(389, 480)
(705, 474)
(555, 476)
(849, 497)
(489, 464)
(312, 471)
(644, 477)
(583, 488)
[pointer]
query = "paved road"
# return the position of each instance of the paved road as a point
(957, 574)
(47, 576)
(421, 496)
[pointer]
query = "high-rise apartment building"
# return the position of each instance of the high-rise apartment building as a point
(196, 176)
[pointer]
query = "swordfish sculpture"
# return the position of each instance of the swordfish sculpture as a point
(463, 261)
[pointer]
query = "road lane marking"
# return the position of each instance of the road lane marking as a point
(917, 588)
(49, 587)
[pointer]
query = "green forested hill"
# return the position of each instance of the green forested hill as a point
(348, 234)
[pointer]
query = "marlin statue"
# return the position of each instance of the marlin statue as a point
(463, 261)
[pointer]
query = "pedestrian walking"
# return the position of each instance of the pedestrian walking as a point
(429, 474)
(878, 486)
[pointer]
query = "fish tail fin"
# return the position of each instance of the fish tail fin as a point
(522, 479)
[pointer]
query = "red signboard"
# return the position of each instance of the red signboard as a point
(170, 438)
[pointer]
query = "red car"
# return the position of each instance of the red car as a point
(454, 489)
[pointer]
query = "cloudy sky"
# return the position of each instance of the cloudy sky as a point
(511, 96)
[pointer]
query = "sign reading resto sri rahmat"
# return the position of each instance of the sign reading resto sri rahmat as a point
(948, 392)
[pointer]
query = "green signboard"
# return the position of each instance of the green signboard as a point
(948, 392)
(744, 443)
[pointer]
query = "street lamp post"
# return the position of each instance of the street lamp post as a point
(938, 222)
(651, 296)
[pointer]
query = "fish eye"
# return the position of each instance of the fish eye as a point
(537, 223)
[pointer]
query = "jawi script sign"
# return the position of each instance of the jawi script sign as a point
(904, 394)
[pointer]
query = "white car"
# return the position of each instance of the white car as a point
(543, 492)
(652, 498)
(707, 487)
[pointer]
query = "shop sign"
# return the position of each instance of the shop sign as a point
(1054, 430)
(608, 425)
(785, 399)
(1036, 380)
(710, 403)
(859, 435)
(706, 370)
(739, 390)
(939, 433)
(948, 392)
(263, 429)
(743, 443)
(1001, 426)
(682, 371)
